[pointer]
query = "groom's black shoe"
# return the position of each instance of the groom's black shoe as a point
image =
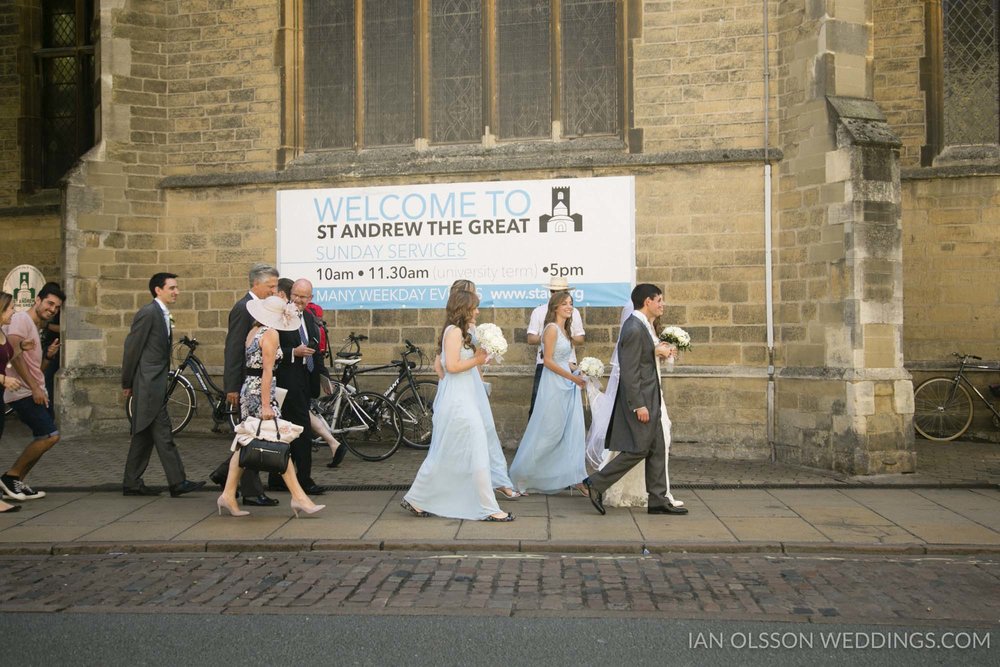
(596, 498)
(667, 509)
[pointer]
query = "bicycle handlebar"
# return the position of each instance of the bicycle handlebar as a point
(356, 338)
(189, 342)
(966, 356)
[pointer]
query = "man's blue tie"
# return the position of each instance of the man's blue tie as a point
(305, 341)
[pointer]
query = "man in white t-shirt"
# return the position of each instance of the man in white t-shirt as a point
(31, 401)
(537, 323)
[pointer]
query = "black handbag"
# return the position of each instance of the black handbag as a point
(265, 455)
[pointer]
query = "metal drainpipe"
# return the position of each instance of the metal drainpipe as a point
(768, 275)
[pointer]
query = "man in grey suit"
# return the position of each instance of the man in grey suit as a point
(145, 372)
(635, 430)
(263, 280)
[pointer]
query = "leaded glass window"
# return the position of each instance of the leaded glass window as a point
(525, 72)
(65, 123)
(329, 74)
(456, 71)
(590, 81)
(971, 59)
(390, 72)
(961, 77)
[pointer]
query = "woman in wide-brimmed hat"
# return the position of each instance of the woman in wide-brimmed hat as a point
(263, 353)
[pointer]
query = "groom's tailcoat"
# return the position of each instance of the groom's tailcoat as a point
(638, 386)
(146, 371)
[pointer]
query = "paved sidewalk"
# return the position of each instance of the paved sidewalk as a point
(951, 506)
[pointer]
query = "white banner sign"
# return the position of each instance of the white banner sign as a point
(402, 246)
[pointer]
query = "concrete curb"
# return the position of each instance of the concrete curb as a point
(495, 547)
(692, 486)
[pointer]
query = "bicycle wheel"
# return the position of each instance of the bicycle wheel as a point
(180, 403)
(325, 407)
(369, 426)
(223, 413)
(942, 409)
(416, 411)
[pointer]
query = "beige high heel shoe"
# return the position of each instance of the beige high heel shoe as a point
(221, 503)
(298, 507)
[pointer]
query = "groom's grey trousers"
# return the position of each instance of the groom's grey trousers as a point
(656, 471)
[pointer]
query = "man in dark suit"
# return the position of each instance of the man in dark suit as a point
(145, 373)
(635, 430)
(263, 280)
(299, 373)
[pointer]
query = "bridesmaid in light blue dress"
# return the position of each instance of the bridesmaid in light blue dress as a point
(498, 462)
(551, 454)
(454, 480)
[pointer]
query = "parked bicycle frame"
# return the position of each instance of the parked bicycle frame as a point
(942, 407)
(414, 399)
(367, 423)
(181, 401)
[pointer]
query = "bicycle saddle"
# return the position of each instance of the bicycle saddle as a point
(347, 362)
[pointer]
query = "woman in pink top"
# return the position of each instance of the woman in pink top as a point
(7, 352)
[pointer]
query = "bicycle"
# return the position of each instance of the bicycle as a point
(182, 404)
(414, 399)
(367, 423)
(942, 407)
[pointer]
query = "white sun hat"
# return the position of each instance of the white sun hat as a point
(558, 285)
(274, 312)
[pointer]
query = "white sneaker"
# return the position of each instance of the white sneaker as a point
(8, 485)
(27, 493)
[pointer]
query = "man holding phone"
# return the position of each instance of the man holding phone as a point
(299, 373)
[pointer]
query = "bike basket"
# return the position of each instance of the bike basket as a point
(995, 390)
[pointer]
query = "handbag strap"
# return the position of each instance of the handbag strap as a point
(277, 433)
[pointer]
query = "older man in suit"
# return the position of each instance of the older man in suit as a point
(635, 430)
(299, 373)
(263, 280)
(145, 374)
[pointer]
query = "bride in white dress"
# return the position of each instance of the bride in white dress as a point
(630, 491)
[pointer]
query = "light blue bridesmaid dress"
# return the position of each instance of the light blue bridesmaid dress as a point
(454, 480)
(498, 463)
(551, 454)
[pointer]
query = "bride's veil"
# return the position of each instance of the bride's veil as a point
(601, 407)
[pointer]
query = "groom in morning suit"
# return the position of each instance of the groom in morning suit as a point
(635, 430)
(145, 374)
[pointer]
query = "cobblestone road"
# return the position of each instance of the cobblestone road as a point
(939, 591)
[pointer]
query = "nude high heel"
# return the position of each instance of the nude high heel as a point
(222, 504)
(299, 507)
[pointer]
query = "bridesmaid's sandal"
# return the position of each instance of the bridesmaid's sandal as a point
(497, 519)
(507, 493)
(413, 510)
(581, 487)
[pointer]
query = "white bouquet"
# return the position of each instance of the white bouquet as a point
(592, 367)
(491, 339)
(678, 338)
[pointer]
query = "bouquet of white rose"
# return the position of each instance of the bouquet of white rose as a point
(678, 338)
(591, 368)
(491, 339)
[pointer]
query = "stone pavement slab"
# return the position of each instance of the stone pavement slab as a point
(95, 462)
(900, 520)
(952, 503)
